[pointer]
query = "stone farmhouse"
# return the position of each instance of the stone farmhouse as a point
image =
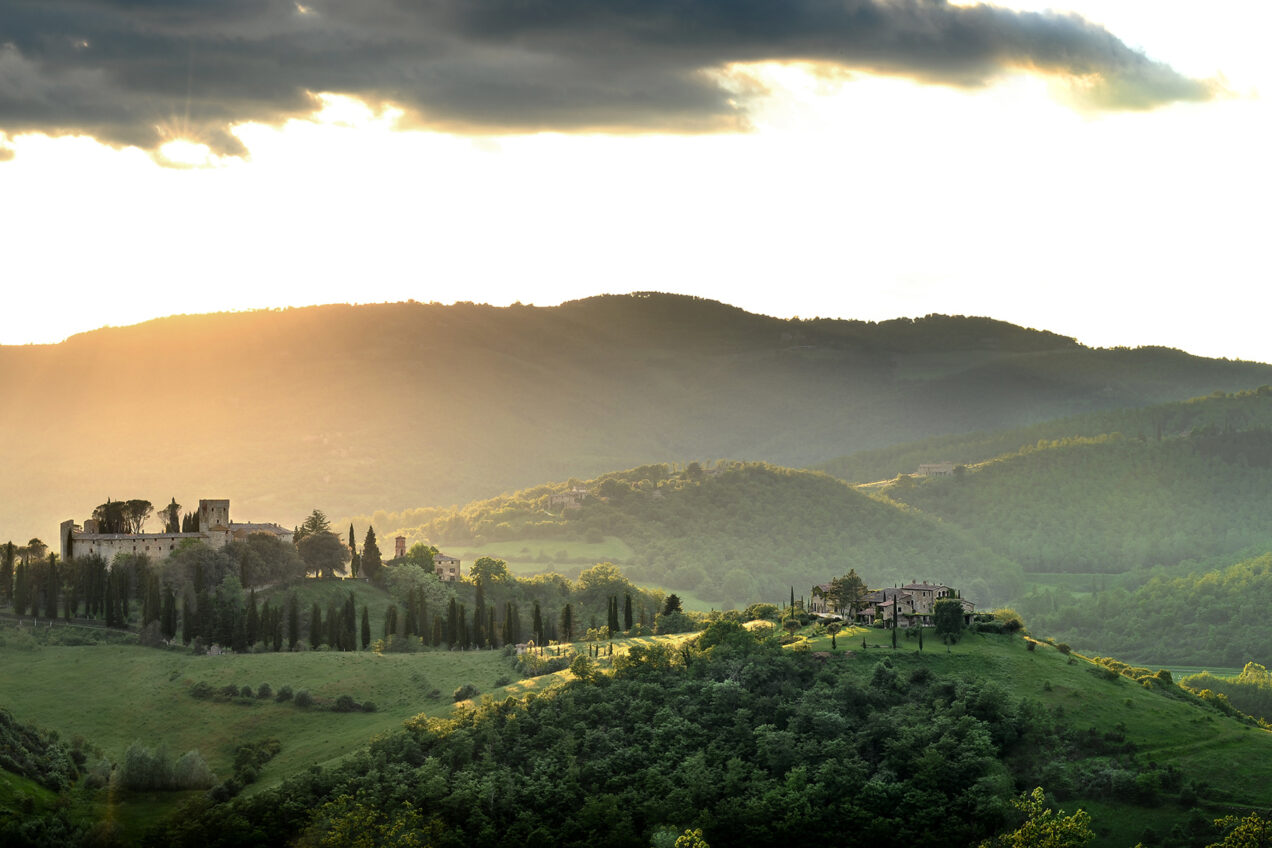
(447, 568)
(215, 530)
(914, 604)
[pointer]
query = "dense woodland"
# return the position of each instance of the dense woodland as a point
(1217, 618)
(1111, 504)
(732, 736)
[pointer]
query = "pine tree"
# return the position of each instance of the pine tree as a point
(366, 628)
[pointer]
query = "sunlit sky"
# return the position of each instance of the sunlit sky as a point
(841, 192)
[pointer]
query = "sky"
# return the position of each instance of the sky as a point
(1097, 168)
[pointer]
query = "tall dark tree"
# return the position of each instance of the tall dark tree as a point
(391, 621)
(452, 624)
(567, 623)
(492, 635)
(8, 556)
(371, 564)
(479, 612)
(627, 612)
(537, 624)
(253, 624)
(316, 523)
(172, 517)
(672, 605)
(187, 621)
(293, 622)
(366, 628)
(349, 620)
(168, 618)
(355, 561)
(323, 553)
(315, 626)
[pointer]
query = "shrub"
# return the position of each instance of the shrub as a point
(192, 772)
(1064, 648)
(1031, 644)
(502, 680)
(229, 691)
(202, 690)
(246, 692)
(465, 692)
(434, 694)
(303, 699)
(368, 706)
(284, 694)
(345, 704)
(264, 691)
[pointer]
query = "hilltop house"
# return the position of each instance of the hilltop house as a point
(447, 568)
(215, 529)
(913, 604)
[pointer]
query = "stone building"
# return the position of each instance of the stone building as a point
(215, 529)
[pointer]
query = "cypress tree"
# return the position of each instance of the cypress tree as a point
(187, 621)
(366, 627)
(437, 631)
(315, 626)
(537, 624)
(507, 624)
(332, 635)
(51, 586)
(492, 636)
(452, 624)
(410, 626)
(253, 620)
(627, 612)
(567, 622)
(370, 557)
(479, 612)
(349, 637)
(8, 552)
(169, 617)
(462, 635)
(293, 622)
(390, 621)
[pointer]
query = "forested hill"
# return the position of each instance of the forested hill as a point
(395, 405)
(1111, 504)
(1221, 410)
(730, 534)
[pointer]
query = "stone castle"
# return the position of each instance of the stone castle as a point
(215, 529)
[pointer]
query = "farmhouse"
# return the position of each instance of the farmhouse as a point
(215, 530)
(913, 603)
(447, 568)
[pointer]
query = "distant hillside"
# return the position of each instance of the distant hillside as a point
(396, 405)
(1239, 410)
(1111, 504)
(1216, 619)
(731, 534)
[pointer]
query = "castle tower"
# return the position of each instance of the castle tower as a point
(213, 513)
(399, 547)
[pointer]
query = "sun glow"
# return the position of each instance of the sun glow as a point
(183, 153)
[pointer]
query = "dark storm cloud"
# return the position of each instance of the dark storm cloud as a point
(136, 72)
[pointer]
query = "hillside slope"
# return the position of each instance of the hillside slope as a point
(730, 534)
(394, 405)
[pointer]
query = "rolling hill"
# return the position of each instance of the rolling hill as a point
(395, 405)
(730, 534)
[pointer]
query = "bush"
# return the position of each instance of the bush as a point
(264, 691)
(1064, 648)
(503, 680)
(202, 690)
(229, 691)
(192, 772)
(303, 699)
(465, 692)
(345, 704)
(246, 692)
(368, 706)
(284, 694)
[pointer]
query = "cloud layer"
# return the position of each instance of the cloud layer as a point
(143, 71)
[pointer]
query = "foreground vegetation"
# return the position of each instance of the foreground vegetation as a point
(732, 735)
